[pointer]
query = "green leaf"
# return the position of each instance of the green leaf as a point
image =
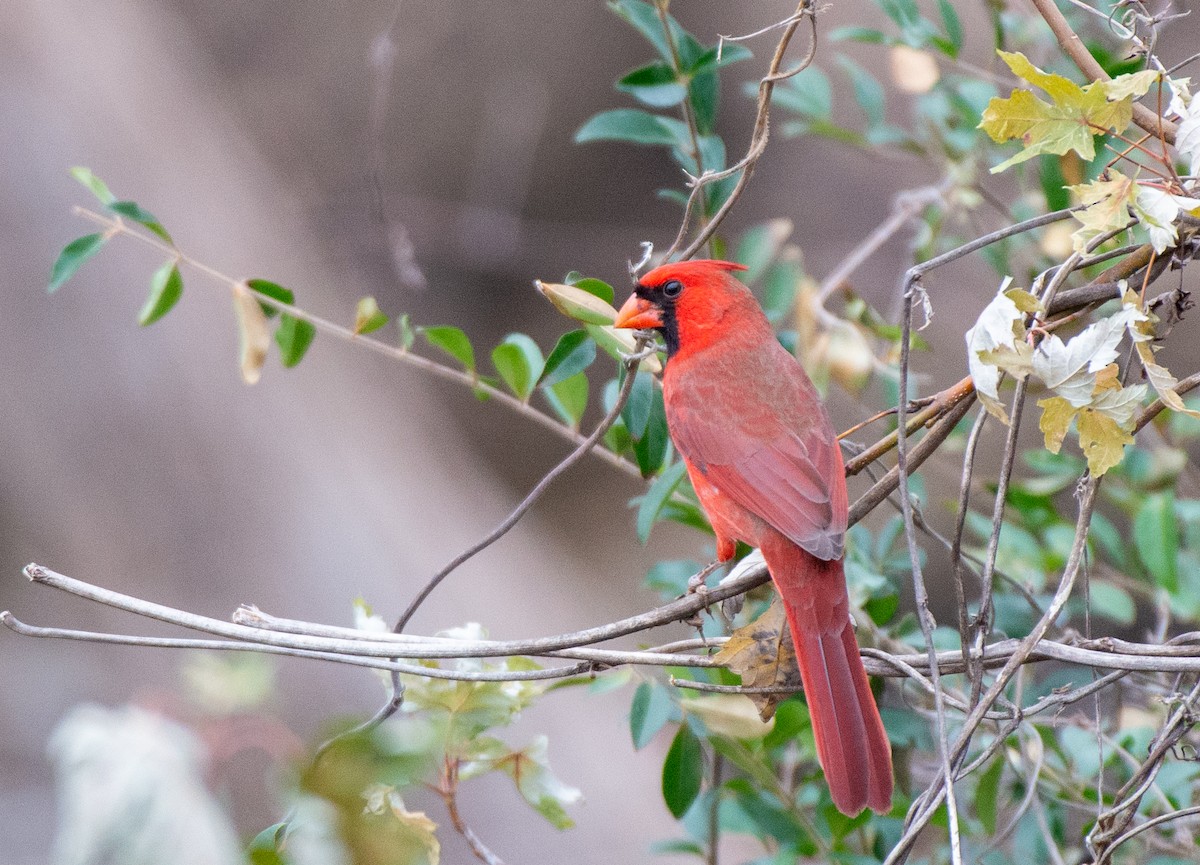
(368, 317)
(72, 257)
(730, 53)
(1070, 122)
(133, 210)
(987, 794)
(867, 91)
(953, 26)
(452, 341)
(760, 247)
(651, 709)
(573, 353)
(94, 184)
(651, 448)
(166, 287)
(858, 34)
(657, 496)
(683, 771)
(598, 287)
(274, 291)
(636, 412)
(293, 336)
(705, 94)
(1112, 602)
(1054, 184)
(626, 124)
(807, 93)
(578, 303)
(266, 847)
(645, 19)
(1156, 536)
(670, 577)
(655, 85)
(568, 398)
(519, 362)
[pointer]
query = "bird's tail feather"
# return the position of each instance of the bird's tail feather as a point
(852, 744)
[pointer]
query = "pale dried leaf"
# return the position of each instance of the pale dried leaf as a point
(1000, 325)
(1157, 211)
(1107, 207)
(763, 655)
(1069, 369)
(254, 337)
(729, 715)
(1162, 380)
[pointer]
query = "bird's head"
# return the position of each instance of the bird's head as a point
(686, 302)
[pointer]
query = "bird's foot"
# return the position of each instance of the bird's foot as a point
(697, 582)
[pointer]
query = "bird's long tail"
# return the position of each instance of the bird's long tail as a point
(851, 742)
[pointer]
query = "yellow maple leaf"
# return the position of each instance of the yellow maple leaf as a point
(1069, 122)
(1102, 440)
(1107, 207)
(1057, 415)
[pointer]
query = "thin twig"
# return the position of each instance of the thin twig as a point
(116, 226)
(921, 593)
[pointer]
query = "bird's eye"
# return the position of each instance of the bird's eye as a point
(672, 288)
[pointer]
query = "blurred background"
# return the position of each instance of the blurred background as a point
(421, 153)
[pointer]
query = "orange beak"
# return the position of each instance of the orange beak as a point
(637, 313)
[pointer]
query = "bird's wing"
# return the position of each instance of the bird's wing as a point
(785, 468)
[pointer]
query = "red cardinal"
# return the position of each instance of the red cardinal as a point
(765, 463)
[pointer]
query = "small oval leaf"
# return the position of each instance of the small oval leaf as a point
(72, 257)
(273, 291)
(94, 184)
(368, 317)
(682, 772)
(452, 341)
(577, 303)
(293, 336)
(573, 353)
(133, 210)
(519, 362)
(166, 287)
(569, 398)
(253, 336)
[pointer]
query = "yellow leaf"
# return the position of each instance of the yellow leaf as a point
(1016, 360)
(1060, 89)
(254, 337)
(1102, 441)
(1107, 207)
(1057, 415)
(763, 655)
(1107, 378)
(1132, 84)
(1024, 301)
(1162, 380)
(1068, 123)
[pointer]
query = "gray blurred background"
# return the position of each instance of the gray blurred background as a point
(273, 141)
